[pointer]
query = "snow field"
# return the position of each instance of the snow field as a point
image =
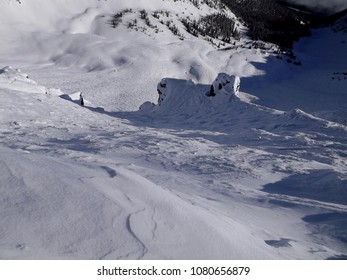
(247, 177)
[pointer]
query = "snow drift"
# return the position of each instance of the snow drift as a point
(14, 79)
(229, 176)
(189, 98)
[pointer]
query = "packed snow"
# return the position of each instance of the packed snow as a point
(256, 170)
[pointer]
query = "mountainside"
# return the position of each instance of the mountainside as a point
(270, 21)
(194, 141)
(281, 22)
(318, 8)
(99, 35)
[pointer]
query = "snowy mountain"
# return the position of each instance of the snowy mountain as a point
(193, 142)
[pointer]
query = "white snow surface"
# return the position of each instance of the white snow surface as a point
(255, 174)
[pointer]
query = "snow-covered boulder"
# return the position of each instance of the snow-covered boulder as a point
(147, 106)
(225, 84)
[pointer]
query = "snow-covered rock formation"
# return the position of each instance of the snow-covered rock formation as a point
(187, 92)
(225, 84)
(14, 79)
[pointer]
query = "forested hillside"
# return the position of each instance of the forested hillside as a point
(271, 21)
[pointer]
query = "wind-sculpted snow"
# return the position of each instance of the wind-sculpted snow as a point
(83, 182)
(256, 172)
(15, 80)
(179, 96)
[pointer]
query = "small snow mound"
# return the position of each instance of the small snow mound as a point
(302, 117)
(14, 79)
(75, 96)
(11, 72)
(55, 92)
(225, 84)
(147, 106)
(298, 114)
(78, 98)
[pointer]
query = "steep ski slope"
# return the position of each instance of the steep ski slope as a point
(195, 178)
(80, 183)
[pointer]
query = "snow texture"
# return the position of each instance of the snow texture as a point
(253, 172)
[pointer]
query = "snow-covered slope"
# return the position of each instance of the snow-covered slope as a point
(238, 175)
(317, 86)
(80, 35)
